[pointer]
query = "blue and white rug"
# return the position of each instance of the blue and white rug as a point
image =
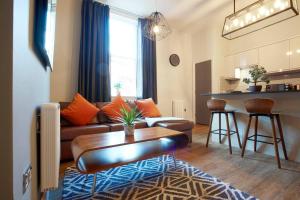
(150, 179)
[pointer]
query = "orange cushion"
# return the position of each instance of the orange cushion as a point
(80, 112)
(148, 108)
(113, 109)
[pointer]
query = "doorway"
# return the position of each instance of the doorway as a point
(203, 85)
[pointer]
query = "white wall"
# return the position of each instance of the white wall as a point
(175, 83)
(31, 88)
(66, 54)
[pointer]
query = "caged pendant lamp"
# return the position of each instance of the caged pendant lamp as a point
(257, 16)
(157, 27)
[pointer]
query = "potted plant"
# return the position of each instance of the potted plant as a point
(118, 87)
(258, 75)
(128, 117)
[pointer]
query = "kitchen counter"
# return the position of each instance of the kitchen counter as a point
(249, 93)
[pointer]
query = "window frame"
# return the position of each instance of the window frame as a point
(133, 18)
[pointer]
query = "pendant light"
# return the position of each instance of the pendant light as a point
(257, 16)
(156, 27)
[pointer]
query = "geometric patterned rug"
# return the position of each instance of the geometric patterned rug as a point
(150, 179)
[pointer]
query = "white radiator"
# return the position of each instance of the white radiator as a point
(178, 108)
(50, 145)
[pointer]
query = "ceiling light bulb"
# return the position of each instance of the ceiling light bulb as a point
(289, 53)
(156, 29)
(242, 24)
(278, 4)
(226, 27)
(248, 17)
(298, 51)
(236, 22)
(253, 18)
(262, 10)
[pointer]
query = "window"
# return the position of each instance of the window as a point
(123, 54)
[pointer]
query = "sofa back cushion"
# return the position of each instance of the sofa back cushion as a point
(113, 109)
(80, 112)
(102, 118)
(64, 122)
(148, 108)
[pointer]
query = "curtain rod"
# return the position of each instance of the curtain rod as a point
(120, 10)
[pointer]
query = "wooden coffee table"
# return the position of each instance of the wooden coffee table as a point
(97, 152)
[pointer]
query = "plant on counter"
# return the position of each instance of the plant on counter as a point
(258, 75)
(127, 118)
(118, 87)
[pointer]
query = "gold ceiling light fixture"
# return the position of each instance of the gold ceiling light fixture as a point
(257, 16)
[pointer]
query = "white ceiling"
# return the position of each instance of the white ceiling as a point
(180, 13)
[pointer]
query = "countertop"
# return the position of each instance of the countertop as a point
(249, 93)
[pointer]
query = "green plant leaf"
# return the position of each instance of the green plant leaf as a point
(258, 74)
(128, 117)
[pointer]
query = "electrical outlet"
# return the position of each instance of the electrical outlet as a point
(27, 178)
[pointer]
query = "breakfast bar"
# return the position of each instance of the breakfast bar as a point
(287, 103)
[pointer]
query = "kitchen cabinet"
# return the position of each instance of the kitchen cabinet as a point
(295, 53)
(275, 57)
(247, 58)
(228, 70)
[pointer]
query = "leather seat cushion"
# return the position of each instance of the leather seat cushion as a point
(177, 126)
(69, 133)
(119, 126)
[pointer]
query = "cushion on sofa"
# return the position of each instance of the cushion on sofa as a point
(177, 126)
(79, 112)
(64, 122)
(102, 118)
(119, 126)
(113, 109)
(148, 108)
(69, 133)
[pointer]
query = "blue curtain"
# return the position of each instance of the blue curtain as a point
(94, 72)
(146, 77)
(39, 39)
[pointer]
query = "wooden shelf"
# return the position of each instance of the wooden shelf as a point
(231, 79)
(284, 73)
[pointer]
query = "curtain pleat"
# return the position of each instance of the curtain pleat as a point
(94, 70)
(147, 64)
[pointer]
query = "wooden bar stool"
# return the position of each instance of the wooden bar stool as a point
(217, 106)
(263, 108)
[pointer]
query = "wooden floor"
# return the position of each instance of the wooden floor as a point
(256, 173)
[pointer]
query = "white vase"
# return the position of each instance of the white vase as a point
(129, 130)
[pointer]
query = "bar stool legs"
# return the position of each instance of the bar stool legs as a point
(228, 133)
(275, 142)
(209, 129)
(274, 136)
(246, 136)
(220, 127)
(236, 129)
(255, 133)
(218, 131)
(281, 136)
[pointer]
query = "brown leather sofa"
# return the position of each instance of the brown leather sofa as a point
(101, 124)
